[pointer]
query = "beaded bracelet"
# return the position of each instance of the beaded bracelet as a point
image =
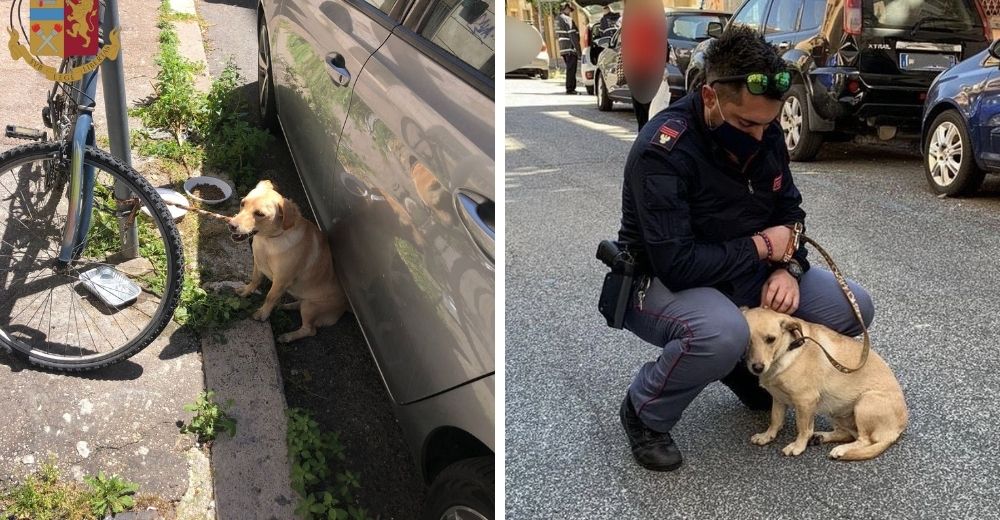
(767, 242)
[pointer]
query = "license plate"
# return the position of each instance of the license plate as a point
(925, 61)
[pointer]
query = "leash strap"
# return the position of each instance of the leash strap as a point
(854, 306)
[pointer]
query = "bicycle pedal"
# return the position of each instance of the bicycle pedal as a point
(22, 132)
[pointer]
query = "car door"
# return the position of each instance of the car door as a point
(781, 26)
(413, 239)
(984, 112)
(318, 49)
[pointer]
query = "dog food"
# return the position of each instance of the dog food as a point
(208, 192)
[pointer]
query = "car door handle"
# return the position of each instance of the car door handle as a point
(338, 69)
(478, 214)
(784, 46)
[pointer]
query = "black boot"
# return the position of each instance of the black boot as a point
(653, 450)
(747, 387)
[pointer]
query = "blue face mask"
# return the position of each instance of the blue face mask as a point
(737, 142)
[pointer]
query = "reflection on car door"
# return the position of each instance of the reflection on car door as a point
(318, 48)
(415, 172)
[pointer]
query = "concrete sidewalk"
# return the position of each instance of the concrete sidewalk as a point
(123, 419)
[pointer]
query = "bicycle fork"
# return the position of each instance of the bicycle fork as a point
(81, 187)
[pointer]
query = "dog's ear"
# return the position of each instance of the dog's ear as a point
(289, 213)
(791, 326)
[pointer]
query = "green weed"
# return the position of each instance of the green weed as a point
(43, 496)
(313, 453)
(209, 418)
(110, 494)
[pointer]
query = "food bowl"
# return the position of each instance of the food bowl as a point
(194, 182)
(169, 195)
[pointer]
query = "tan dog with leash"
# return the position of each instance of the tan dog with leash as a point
(293, 253)
(866, 405)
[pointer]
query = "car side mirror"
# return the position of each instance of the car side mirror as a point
(714, 29)
(995, 49)
(603, 42)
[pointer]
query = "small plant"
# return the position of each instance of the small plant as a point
(209, 418)
(43, 496)
(201, 309)
(110, 494)
(313, 453)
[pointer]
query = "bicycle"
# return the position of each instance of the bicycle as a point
(91, 262)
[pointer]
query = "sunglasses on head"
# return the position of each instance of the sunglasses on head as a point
(759, 83)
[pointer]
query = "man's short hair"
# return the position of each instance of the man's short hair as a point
(567, 5)
(739, 51)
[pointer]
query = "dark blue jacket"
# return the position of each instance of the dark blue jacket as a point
(689, 212)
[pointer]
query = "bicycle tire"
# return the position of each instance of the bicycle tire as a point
(172, 271)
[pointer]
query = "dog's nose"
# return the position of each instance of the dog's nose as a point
(757, 368)
(232, 227)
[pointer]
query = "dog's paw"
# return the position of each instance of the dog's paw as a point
(838, 452)
(817, 439)
(245, 291)
(793, 449)
(285, 338)
(260, 315)
(761, 439)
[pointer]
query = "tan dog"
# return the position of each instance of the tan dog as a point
(293, 254)
(866, 406)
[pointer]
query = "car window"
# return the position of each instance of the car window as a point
(929, 15)
(751, 14)
(812, 14)
(465, 29)
(382, 5)
(782, 17)
(692, 28)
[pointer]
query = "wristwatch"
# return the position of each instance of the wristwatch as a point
(793, 269)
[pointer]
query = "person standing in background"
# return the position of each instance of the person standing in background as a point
(643, 53)
(569, 44)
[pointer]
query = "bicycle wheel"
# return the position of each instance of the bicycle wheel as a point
(100, 308)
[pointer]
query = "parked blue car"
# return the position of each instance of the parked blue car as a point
(961, 124)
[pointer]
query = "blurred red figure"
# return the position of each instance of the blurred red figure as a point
(644, 52)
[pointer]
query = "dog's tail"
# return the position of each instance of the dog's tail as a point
(869, 451)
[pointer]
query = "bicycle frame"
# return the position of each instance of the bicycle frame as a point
(82, 178)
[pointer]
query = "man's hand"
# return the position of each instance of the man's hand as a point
(780, 292)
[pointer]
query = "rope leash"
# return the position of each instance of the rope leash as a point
(199, 211)
(854, 306)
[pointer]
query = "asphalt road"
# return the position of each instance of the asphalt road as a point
(929, 263)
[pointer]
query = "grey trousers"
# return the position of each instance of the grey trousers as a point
(703, 335)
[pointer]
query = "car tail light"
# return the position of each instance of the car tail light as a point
(590, 74)
(987, 32)
(852, 17)
(853, 86)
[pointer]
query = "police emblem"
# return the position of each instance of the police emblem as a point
(63, 28)
(776, 186)
(669, 132)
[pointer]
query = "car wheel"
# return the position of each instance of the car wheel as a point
(463, 491)
(265, 85)
(544, 74)
(950, 166)
(803, 144)
(590, 90)
(604, 102)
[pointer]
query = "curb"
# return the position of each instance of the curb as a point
(241, 363)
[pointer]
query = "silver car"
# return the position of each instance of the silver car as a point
(388, 110)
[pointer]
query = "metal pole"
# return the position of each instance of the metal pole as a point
(113, 81)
